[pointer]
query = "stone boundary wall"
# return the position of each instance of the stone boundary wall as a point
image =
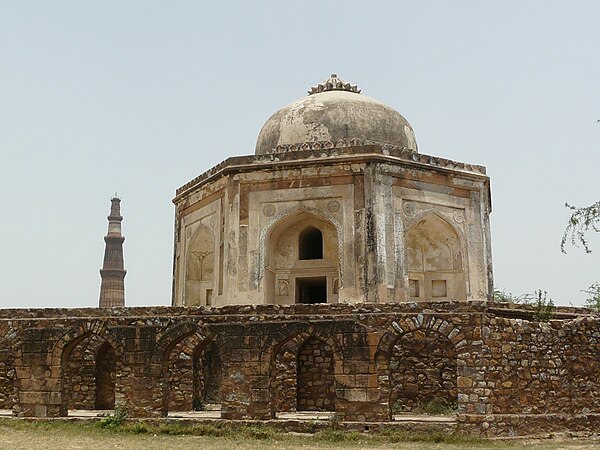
(510, 372)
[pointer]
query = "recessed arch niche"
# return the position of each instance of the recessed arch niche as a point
(435, 260)
(200, 264)
(301, 261)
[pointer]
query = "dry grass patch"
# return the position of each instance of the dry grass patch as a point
(62, 435)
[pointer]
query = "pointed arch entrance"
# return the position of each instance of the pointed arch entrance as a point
(89, 369)
(302, 261)
(192, 374)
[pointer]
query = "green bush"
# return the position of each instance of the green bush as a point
(114, 420)
(593, 299)
(543, 306)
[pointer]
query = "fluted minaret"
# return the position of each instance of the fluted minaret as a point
(112, 289)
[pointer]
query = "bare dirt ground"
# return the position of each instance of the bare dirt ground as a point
(87, 438)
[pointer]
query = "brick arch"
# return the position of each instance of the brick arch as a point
(400, 328)
(81, 332)
(194, 338)
(420, 322)
(285, 333)
(61, 352)
(291, 339)
(176, 333)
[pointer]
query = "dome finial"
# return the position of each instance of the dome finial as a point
(334, 84)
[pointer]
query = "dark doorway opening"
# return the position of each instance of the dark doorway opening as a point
(310, 244)
(311, 290)
(106, 362)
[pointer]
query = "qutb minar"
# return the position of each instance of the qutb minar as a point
(112, 289)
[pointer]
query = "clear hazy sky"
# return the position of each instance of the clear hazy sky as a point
(139, 97)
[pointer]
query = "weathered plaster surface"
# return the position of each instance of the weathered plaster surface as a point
(370, 196)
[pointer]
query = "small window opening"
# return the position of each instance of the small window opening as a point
(311, 290)
(310, 244)
(209, 297)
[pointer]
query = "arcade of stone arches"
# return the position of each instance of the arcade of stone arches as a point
(304, 370)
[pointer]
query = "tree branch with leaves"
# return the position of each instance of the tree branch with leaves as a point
(582, 221)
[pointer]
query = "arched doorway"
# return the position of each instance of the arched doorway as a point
(89, 373)
(106, 362)
(192, 375)
(302, 261)
(422, 373)
(435, 261)
(302, 375)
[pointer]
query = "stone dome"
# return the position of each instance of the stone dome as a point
(335, 110)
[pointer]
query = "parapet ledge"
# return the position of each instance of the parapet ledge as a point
(340, 151)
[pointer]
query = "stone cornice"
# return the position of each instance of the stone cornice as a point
(353, 151)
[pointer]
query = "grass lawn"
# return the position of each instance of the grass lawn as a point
(19, 434)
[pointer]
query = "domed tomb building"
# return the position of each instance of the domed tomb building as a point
(336, 205)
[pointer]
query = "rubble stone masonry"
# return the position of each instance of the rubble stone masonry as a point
(506, 373)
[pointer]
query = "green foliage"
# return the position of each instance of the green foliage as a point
(114, 420)
(501, 296)
(258, 432)
(543, 306)
(593, 300)
(338, 436)
(209, 430)
(176, 429)
(335, 422)
(437, 437)
(172, 429)
(139, 428)
(582, 220)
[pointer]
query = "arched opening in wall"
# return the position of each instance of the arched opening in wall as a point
(302, 378)
(192, 376)
(310, 243)
(435, 261)
(88, 373)
(207, 376)
(106, 367)
(422, 374)
(200, 267)
(302, 261)
(315, 380)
